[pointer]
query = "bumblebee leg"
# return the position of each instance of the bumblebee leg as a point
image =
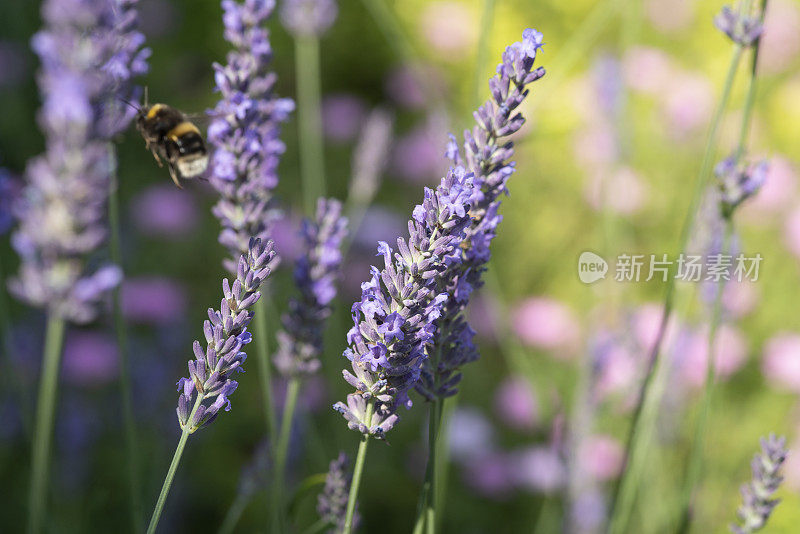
(174, 176)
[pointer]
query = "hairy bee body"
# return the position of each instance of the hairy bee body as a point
(168, 134)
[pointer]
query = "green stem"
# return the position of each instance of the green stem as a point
(747, 114)
(646, 406)
(131, 450)
(281, 451)
(264, 365)
(173, 467)
(312, 157)
(426, 507)
(357, 472)
(696, 454)
(234, 514)
(43, 433)
(394, 34)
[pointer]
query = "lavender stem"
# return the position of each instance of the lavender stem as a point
(645, 415)
(234, 513)
(43, 433)
(173, 467)
(309, 114)
(264, 363)
(131, 450)
(696, 454)
(281, 450)
(357, 471)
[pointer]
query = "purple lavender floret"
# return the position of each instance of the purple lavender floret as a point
(226, 335)
(300, 341)
(396, 318)
(8, 193)
(757, 501)
(740, 27)
(332, 502)
(308, 17)
(245, 130)
(487, 158)
(737, 181)
(89, 51)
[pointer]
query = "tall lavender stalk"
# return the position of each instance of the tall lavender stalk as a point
(395, 320)
(207, 389)
(757, 501)
(89, 52)
(307, 21)
(736, 181)
(300, 341)
(487, 158)
(245, 135)
(643, 424)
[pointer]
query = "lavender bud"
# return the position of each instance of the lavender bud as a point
(757, 504)
(89, 52)
(300, 341)
(308, 17)
(244, 130)
(226, 334)
(332, 502)
(738, 181)
(740, 27)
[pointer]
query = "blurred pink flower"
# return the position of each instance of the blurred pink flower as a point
(403, 84)
(739, 298)
(483, 314)
(617, 368)
(646, 69)
(781, 361)
(538, 468)
(791, 232)
(164, 210)
(515, 404)
(90, 358)
(596, 145)
(620, 190)
(490, 475)
(418, 156)
(730, 349)
(688, 102)
(286, 234)
(470, 434)
(646, 322)
(670, 17)
(777, 193)
(780, 43)
(448, 27)
(601, 457)
(546, 323)
(342, 116)
(791, 469)
(153, 300)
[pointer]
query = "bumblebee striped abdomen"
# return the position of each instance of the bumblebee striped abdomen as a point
(170, 135)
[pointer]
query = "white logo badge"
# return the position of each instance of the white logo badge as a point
(591, 267)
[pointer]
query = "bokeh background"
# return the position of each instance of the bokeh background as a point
(606, 163)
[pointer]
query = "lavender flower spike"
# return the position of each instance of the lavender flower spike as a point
(244, 130)
(226, 335)
(487, 158)
(332, 502)
(300, 341)
(395, 320)
(308, 17)
(89, 52)
(740, 27)
(757, 504)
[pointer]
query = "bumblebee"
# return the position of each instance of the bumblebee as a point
(170, 135)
